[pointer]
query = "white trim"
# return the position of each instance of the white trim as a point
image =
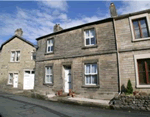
(146, 15)
(50, 45)
(15, 55)
(90, 36)
(49, 74)
(136, 57)
(92, 74)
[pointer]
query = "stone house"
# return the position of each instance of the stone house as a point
(82, 58)
(17, 63)
(133, 48)
(96, 59)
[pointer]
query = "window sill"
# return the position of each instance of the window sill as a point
(50, 84)
(91, 46)
(14, 62)
(10, 84)
(49, 53)
(143, 86)
(141, 39)
(90, 86)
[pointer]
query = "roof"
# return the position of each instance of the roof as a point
(131, 14)
(96, 22)
(76, 27)
(18, 38)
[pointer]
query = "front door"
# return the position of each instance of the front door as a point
(67, 79)
(15, 81)
(28, 83)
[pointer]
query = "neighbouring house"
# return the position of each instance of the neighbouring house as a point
(133, 48)
(17, 64)
(81, 58)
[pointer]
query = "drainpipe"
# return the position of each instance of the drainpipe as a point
(118, 59)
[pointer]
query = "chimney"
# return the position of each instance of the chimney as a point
(113, 11)
(19, 32)
(57, 28)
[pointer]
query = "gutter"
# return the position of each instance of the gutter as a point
(118, 59)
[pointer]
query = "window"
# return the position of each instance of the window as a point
(48, 74)
(33, 55)
(15, 56)
(90, 37)
(144, 71)
(90, 74)
(50, 45)
(10, 79)
(140, 28)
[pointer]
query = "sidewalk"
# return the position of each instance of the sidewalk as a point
(81, 101)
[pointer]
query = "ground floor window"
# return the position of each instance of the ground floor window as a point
(91, 74)
(10, 78)
(48, 74)
(144, 71)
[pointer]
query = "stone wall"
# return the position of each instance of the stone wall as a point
(71, 43)
(107, 76)
(137, 102)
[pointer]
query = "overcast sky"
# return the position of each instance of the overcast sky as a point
(37, 18)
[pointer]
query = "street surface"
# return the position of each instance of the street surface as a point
(18, 106)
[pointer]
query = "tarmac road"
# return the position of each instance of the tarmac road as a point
(18, 106)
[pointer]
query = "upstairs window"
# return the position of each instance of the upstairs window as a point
(15, 56)
(50, 45)
(89, 36)
(48, 74)
(140, 28)
(91, 74)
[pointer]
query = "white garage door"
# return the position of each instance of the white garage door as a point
(28, 80)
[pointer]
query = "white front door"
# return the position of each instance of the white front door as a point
(28, 83)
(15, 81)
(67, 79)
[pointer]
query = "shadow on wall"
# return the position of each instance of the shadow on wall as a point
(123, 89)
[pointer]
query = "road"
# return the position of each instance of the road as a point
(18, 106)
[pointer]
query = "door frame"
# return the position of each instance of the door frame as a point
(63, 75)
(17, 80)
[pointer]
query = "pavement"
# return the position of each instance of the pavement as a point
(19, 106)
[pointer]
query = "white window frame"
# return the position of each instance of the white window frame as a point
(50, 45)
(49, 74)
(9, 79)
(145, 15)
(15, 56)
(90, 36)
(136, 57)
(86, 74)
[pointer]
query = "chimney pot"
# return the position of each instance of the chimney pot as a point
(19, 32)
(57, 28)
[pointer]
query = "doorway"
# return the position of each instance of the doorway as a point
(67, 79)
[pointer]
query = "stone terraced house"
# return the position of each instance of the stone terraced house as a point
(17, 63)
(95, 60)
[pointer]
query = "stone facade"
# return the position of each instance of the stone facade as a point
(6, 66)
(128, 48)
(69, 49)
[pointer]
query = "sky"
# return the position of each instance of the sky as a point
(37, 18)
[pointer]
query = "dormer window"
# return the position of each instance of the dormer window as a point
(50, 45)
(89, 37)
